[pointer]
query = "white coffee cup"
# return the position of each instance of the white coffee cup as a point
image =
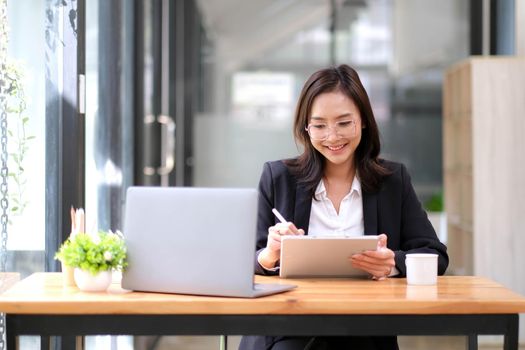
(421, 269)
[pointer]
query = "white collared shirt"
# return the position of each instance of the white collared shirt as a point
(324, 219)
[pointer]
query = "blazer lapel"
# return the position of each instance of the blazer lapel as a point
(303, 206)
(370, 213)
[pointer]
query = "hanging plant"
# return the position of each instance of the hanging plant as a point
(19, 140)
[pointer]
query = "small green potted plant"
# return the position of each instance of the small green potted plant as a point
(94, 257)
(434, 207)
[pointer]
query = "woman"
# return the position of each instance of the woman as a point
(338, 185)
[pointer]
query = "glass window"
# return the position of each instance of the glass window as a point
(232, 139)
(26, 66)
(400, 50)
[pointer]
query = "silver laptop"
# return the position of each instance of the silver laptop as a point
(193, 241)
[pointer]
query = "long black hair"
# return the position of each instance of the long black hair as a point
(309, 166)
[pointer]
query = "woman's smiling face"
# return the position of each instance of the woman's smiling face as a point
(331, 110)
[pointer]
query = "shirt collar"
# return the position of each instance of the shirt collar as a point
(321, 189)
(356, 185)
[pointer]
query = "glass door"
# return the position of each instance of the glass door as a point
(42, 128)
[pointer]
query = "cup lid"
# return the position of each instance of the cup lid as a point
(421, 255)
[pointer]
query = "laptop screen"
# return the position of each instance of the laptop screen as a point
(190, 240)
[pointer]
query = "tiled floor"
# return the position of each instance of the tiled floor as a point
(212, 343)
(405, 343)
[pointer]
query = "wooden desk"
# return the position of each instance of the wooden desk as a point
(39, 305)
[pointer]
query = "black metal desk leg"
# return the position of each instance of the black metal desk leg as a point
(472, 342)
(45, 342)
(56, 342)
(11, 334)
(11, 341)
(511, 336)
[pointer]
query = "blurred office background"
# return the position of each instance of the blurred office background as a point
(202, 93)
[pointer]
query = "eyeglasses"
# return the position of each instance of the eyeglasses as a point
(321, 131)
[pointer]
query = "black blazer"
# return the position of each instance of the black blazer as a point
(394, 210)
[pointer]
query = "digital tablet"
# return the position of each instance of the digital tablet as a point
(325, 256)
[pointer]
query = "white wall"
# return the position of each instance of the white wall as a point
(445, 18)
(520, 27)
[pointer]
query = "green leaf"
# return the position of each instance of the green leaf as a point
(81, 251)
(435, 203)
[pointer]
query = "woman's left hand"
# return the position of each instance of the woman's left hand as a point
(379, 263)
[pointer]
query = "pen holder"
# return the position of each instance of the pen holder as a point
(68, 278)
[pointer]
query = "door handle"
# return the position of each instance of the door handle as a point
(167, 145)
(148, 121)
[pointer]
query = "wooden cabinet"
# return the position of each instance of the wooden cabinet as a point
(484, 168)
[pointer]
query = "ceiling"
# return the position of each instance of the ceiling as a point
(242, 30)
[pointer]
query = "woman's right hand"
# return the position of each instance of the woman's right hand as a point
(270, 255)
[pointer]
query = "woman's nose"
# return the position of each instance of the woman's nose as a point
(332, 134)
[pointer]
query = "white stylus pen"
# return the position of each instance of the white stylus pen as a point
(279, 216)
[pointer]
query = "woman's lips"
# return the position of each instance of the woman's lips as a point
(336, 148)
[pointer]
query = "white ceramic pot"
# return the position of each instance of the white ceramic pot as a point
(92, 283)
